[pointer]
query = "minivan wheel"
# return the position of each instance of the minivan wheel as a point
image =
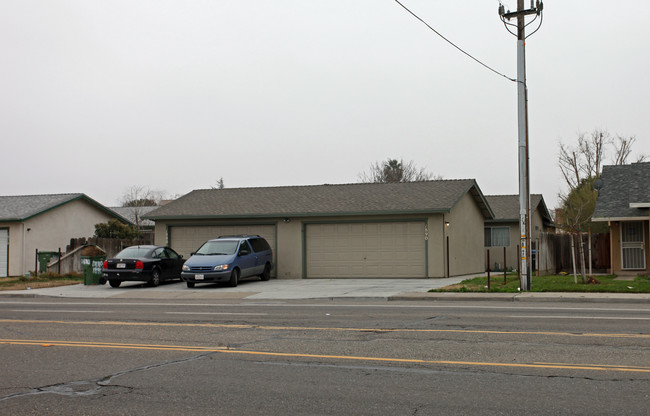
(266, 274)
(115, 282)
(190, 284)
(234, 278)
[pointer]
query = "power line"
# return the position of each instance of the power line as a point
(454, 45)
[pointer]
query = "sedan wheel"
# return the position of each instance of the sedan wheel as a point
(155, 277)
(115, 282)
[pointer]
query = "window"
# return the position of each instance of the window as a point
(244, 247)
(259, 244)
(632, 245)
(497, 236)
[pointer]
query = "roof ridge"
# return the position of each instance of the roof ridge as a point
(335, 184)
(23, 196)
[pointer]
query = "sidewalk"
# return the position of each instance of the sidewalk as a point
(323, 289)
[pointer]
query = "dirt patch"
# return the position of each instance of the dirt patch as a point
(14, 284)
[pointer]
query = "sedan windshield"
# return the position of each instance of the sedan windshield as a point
(213, 248)
(133, 253)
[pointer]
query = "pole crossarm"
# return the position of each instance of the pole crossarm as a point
(518, 13)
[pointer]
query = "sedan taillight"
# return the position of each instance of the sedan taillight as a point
(105, 265)
(139, 265)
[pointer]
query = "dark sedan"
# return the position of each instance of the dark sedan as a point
(151, 264)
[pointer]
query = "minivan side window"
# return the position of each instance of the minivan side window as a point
(244, 246)
(260, 244)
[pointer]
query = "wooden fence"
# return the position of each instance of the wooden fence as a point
(554, 253)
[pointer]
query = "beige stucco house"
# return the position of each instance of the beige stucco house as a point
(503, 231)
(410, 230)
(46, 223)
(624, 203)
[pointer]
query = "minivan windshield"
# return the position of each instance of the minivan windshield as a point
(213, 248)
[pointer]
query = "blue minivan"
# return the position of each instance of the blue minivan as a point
(229, 259)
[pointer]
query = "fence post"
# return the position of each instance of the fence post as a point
(505, 280)
(36, 264)
(488, 267)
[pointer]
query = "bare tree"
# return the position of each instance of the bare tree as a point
(623, 149)
(139, 196)
(393, 171)
(585, 160)
(580, 166)
(220, 184)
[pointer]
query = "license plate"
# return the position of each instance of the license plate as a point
(121, 265)
(198, 277)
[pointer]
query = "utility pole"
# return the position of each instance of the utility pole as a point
(519, 30)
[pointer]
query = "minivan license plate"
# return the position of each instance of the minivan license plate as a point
(198, 276)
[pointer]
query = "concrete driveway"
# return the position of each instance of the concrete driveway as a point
(253, 289)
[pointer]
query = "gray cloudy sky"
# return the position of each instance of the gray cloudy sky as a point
(98, 96)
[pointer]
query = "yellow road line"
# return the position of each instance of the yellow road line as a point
(590, 367)
(299, 328)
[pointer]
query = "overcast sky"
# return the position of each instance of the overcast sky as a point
(100, 96)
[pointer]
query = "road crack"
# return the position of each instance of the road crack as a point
(99, 385)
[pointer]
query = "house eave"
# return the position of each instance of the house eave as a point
(604, 219)
(297, 215)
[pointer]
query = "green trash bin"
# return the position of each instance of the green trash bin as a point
(92, 268)
(44, 258)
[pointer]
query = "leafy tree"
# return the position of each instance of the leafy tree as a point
(116, 229)
(393, 171)
(143, 202)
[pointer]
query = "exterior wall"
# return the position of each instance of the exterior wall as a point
(465, 232)
(512, 255)
(466, 238)
(50, 231)
(615, 243)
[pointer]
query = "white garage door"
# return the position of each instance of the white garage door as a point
(187, 239)
(4, 252)
(355, 250)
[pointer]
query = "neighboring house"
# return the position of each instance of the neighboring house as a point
(504, 231)
(416, 229)
(46, 223)
(624, 201)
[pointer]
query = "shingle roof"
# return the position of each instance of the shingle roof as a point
(621, 186)
(23, 207)
(506, 207)
(347, 199)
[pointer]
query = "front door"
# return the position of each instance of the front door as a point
(632, 245)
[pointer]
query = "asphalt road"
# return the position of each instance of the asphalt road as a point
(243, 357)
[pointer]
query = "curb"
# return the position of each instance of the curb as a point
(525, 297)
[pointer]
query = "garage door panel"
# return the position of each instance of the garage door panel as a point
(390, 249)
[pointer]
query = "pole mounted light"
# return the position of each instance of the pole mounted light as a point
(519, 30)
